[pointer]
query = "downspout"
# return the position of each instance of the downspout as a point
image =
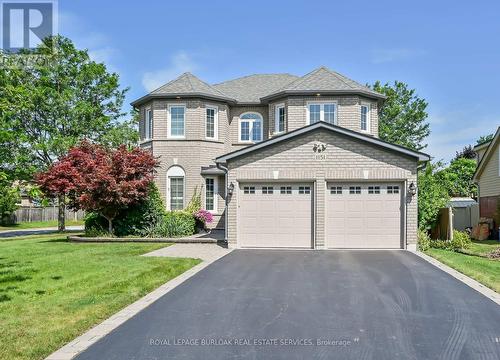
(226, 170)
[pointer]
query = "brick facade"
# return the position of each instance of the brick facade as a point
(349, 159)
(346, 159)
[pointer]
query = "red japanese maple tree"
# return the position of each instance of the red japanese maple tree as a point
(97, 179)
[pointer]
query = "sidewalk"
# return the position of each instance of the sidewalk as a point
(36, 231)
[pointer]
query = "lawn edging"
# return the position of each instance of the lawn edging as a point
(474, 284)
(84, 341)
(195, 239)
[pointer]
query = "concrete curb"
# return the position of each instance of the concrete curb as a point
(489, 293)
(186, 240)
(82, 342)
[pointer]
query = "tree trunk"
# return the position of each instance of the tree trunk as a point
(110, 226)
(61, 213)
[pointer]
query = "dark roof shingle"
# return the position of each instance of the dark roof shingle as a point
(259, 88)
(249, 89)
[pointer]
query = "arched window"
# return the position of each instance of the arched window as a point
(250, 127)
(175, 188)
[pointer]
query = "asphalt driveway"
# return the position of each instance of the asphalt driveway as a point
(263, 304)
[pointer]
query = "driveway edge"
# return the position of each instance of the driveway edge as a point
(82, 342)
(474, 284)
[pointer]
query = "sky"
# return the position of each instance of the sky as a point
(449, 51)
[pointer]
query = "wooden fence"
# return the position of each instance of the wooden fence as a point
(31, 214)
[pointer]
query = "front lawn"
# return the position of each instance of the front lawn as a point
(52, 291)
(472, 262)
(39, 224)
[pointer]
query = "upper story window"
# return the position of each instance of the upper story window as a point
(148, 125)
(365, 117)
(321, 111)
(211, 122)
(250, 127)
(176, 121)
(279, 118)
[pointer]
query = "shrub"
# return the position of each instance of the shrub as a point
(173, 224)
(461, 241)
(133, 220)
(424, 241)
(195, 202)
(179, 223)
(204, 216)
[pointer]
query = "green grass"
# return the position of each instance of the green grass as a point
(39, 224)
(52, 291)
(472, 263)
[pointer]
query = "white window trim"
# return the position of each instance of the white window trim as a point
(368, 117)
(277, 107)
(148, 134)
(322, 110)
(216, 190)
(250, 141)
(216, 122)
(169, 121)
(176, 171)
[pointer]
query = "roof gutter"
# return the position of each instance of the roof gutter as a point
(266, 99)
(148, 97)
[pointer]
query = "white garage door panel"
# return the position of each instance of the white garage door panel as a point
(360, 219)
(277, 219)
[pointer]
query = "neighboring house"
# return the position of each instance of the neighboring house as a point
(299, 159)
(487, 176)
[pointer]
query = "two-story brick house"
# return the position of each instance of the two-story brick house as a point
(284, 161)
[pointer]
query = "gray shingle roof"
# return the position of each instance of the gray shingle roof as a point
(260, 88)
(187, 83)
(249, 89)
(324, 80)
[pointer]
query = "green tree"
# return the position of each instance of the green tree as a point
(123, 133)
(467, 152)
(403, 117)
(485, 138)
(50, 106)
(9, 199)
(457, 178)
(432, 196)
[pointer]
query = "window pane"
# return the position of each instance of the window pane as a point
(267, 189)
(209, 194)
(256, 130)
(281, 119)
(148, 124)
(245, 131)
(329, 110)
(354, 190)
(336, 190)
(210, 123)
(364, 117)
(314, 113)
(249, 190)
(286, 190)
(177, 121)
(176, 193)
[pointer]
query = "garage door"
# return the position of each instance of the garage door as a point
(363, 215)
(275, 215)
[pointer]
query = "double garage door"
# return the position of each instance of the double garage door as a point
(357, 215)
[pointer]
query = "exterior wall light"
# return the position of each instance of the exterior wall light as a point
(412, 189)
(230, 189)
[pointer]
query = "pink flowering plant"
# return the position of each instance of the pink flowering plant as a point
(204, 216)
